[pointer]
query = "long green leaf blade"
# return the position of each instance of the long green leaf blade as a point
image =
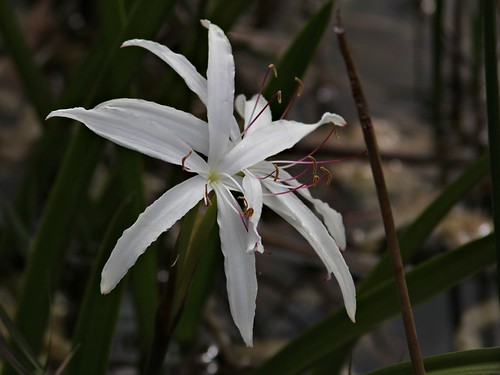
(493, 111)
(98, 314)
(380, 303)
(51, 241)
(297, 57)
(469, 362)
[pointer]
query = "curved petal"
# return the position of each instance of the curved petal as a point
(331, 218)
(194, 80)
(187, 127)
(155, 220)
(310, 227)
(239, 264)
(267, 141)
(220, 77)
(128, 130)
(252, 190)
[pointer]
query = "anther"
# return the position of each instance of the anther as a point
(273, 68)
(335, 130)
(206, 198)
(315, 180)
(297, 92)
(328, 174)
(184, 160)
(300, 87)
(247, 210)
(276, 172)
(315, 164)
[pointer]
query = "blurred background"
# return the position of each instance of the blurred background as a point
(421, 67)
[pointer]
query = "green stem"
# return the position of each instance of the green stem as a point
(385, 206)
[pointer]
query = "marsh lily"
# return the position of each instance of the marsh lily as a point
(223, 159)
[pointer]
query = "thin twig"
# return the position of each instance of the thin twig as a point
(385, 206)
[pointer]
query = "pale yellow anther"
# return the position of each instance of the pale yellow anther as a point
(315, 164)
(328, 174)
(316, 179)
(271, 66)
(300, 86)
(279, 96)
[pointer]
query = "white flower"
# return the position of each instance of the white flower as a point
(233, 160)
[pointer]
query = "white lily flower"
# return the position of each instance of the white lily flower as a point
(231, 161)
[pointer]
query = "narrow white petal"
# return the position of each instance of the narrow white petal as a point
(128, 130)
(267, 141)
(189, 128)
(239, 264)
(331, 218)
(155, 220)
(252, 190)
(194, 80)
(220, 77)
(306, 223)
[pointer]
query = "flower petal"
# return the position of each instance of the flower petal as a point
(131, 131)
(155, 220)
(267, 141)
(291, 208)
(194, 80)
(220, 77)
(189, 128)
(239, 264)
(252, 190)
(331, 218)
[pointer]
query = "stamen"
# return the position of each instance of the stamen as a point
(275, 71)
(206, 198)
(328, 174)
(335, 130)
(315, 164)
(300, 88)
(297, 92)
(276, 172)
(184, 160)
(269, 68)
(276, 94)
(247, 211)
(315, 180)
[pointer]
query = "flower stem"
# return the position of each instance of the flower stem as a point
(385, 206)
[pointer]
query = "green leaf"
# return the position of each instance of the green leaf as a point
(201, 286)
(470, 362)
(225, 13)
(49, 246)
(98, 314)
(414, 236)
(19, 355)
(380, 303)
(35, 84)
(297, 57)
(493, 110)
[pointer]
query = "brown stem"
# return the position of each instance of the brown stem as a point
(385, 206)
